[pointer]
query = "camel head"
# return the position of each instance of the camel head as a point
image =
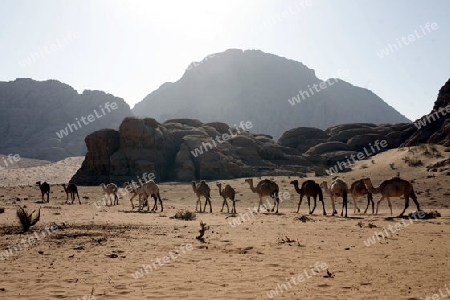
(38, 183)
(294, 182)
(219, 185)
(367, 181)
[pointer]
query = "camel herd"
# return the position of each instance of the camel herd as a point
(394, 187)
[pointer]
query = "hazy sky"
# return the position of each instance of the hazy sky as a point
(129, 48)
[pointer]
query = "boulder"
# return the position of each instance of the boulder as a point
(328, 147)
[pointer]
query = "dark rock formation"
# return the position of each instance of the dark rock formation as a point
(186, 149)
(434, 127)
(183, 150)
(33, 113)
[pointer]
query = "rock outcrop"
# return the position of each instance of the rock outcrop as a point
(434, 127)
(35, 115)
(187, 149)
(182, 150)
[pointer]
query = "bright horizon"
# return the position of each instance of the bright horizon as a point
(129, 49)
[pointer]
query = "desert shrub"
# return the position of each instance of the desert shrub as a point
(392, 165)
(412, 161)
(2, 210)
(26, 219)
(365, 166)
(185, 215)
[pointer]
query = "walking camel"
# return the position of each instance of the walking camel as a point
(265, 188)
(202, 189)
(45, 190)
(394, 187)
(338, 188)
(147, 189)
(228, 192)
(358, 189)
(72, 190)
(111, 189)
(309, 189)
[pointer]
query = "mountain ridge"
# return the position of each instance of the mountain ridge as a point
(226, 86)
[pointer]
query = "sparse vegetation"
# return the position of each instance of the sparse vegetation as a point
(26, 219)
(392, 165)
(2, 210)
(203, 228)
(365, 166)
(185, 215)
(412, 161)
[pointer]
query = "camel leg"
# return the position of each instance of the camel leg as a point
(234, 206)
(131, 200)
(345, 203)
(160, 202)
(223, 204)
(378, 204)
(309, 204)
(356, 208)
(299, 203)
(406, 205)
(196, 205)
(260, 202)
(79, 202)
(210, 207)
(315, 203)
(370, 200)
(414, 197)
(390, 204)
(333, 205)
(275, 201)
(323, 207)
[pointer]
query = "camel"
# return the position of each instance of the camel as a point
(358, 189)
(338, 188)
(72, 190)
(309, 189)
(148, 188)
(111, 189)
(45, 189)
(202, 189)
(394, 187)
(228, 192)
(265, 188)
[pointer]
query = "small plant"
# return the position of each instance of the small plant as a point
(26, 219)
(203, 228)
(364, 166)
(392, 165)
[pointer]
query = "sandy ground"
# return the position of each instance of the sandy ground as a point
(101, 248)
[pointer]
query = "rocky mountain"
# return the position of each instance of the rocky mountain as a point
(274, 93)
(435, 126)
(49, 119)
(187, 149)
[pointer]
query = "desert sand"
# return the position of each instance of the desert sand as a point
(97, 250)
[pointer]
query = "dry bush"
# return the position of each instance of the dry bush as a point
(185, 215)
(2, 210)
(26, 219)
(412, 161)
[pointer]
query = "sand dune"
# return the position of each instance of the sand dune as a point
(109, 249)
